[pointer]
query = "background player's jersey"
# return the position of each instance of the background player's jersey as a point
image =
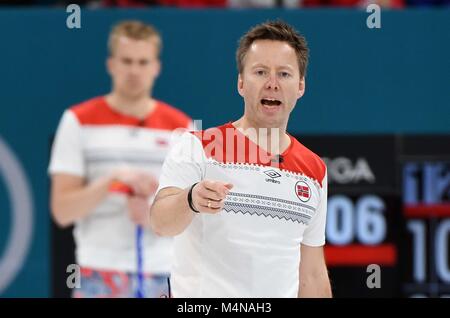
(252, 247)
(93, 139)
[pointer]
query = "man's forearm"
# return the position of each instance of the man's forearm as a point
(71, 205)
(315, 287)
(171, 215)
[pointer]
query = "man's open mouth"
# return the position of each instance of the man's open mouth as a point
(270, 102)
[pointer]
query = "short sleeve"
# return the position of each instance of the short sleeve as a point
(185, 163)
(314, 234)
(67, 149)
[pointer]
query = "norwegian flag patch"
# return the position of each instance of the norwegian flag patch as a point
(303, 191)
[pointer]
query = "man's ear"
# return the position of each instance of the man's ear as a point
(240, 85)
(301, 87)
(158, 68)
(109, 65)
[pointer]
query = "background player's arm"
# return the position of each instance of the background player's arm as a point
(72, 199)
(313, 277)
(170, 213)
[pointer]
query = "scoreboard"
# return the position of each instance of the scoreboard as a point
(426, 213)
(388, 205)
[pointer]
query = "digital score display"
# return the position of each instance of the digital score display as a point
(389, 205)
(426, 210)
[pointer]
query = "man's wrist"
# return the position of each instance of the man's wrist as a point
(189, 199)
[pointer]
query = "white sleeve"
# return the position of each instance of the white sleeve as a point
(67, 149)
(185, 163)
(314, 234)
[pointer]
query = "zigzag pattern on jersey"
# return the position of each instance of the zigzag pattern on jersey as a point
(254, 198)
(267, 206)
(266, 212)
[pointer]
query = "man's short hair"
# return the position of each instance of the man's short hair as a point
(276, 31)
(135, 30)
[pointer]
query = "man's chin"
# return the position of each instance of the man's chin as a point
(135, 94)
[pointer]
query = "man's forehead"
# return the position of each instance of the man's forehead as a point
(269, 51)
(123, 39)
(266, 46)
(132, 47)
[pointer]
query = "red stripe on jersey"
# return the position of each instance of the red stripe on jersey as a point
(227, 145)
(96, 111)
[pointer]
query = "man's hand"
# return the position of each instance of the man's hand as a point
(141, 183)
(209, 196)
(138, 208)
(139, 186)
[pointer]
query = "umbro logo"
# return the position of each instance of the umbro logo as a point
(272, 173)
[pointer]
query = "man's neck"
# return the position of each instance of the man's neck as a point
(274, 140)
(136, 107)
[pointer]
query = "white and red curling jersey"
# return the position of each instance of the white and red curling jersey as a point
(252, 247)
(93, 139)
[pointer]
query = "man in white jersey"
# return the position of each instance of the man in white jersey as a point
(105, 163)
(246, 201)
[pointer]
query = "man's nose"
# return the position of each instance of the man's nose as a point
(134, 69)
(272, 82)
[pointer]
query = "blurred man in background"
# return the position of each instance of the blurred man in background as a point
(104, 167)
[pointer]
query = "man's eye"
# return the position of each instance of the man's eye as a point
(285, 74)
(260, 72)
(144, 62)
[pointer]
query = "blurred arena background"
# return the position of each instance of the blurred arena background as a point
(377, 107)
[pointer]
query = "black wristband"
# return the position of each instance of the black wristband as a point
(189, 198)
